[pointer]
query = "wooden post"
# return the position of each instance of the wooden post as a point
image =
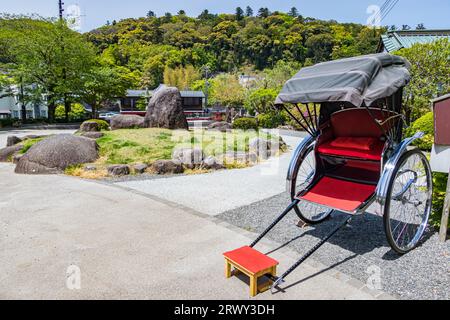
(445, 213)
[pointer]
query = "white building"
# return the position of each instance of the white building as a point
(10, 107)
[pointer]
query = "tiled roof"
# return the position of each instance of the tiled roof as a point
(192, 94)
(396, 40)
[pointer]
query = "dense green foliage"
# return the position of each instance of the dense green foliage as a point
(77, 113)
(430, 67)
(424, 124)
(270, 120)
(227, 42)
(439, 191)
(245, 124)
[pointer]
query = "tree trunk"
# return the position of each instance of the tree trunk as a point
(51, 112)
(67, 109)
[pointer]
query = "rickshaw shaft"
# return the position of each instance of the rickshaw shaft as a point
(285, 212)
(310, 252)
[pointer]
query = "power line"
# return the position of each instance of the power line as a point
(380, 12)
(390, 9)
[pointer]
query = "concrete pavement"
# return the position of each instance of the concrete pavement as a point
(128, 246)
(25, 132)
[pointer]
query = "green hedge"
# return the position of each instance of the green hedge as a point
(426, 125)
(245, 124)
(6, 123)
(270, 120)
(103, 125)
(439, 190)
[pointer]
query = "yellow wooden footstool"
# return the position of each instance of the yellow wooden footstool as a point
(252, 263)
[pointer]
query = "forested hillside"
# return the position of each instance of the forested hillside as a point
(226, 42)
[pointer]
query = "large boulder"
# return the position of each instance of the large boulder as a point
(261, 147)
(56, 153)
(211, 163)
(165, 110)
(7, 154)
(190, 157)
(90, 126)
(93, 135)
(167, 167)
(124, 121)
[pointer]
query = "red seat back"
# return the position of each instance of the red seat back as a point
(357, 123)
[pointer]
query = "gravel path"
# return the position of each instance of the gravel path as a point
(25, 132)
(422, 274)
(217, 192)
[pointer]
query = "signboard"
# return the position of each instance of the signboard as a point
(440, 155)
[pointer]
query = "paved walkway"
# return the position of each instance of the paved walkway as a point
(225, 190)
(127, 245)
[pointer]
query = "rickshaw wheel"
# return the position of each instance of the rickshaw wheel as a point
(408, 202)
(303, 175)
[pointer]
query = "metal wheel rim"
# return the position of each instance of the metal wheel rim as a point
(409, 210)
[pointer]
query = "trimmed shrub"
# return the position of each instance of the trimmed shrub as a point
(103, 125)
(270, 120)
(426, 125)
(245, 124)
(76, 114)
(6, 123)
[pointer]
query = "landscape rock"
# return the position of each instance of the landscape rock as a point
(6, 154)
(90, 126)
(123, 121)
(261, 147)
(221, 126)
(240, 157)
(211, 163)
(12, 140)
(167, 167)
(16, 158)
(165, 110)
(119, 170)
(190, 157)
(93, 135)
(140, 168)
(56, 153)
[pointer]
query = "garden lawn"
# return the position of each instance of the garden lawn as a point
(132, 146)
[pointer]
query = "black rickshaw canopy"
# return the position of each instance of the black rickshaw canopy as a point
(360, 81)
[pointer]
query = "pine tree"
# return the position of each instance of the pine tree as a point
(293, 12)
(150, 14)
(239, 14)
(249, 11)
(263, 12)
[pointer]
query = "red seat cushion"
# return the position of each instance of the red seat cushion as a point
(328, 148)
(339, 194)
(363, 144)
(251, 259)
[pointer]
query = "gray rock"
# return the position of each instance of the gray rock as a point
(261, 147)
(90, 168)
(211, 163)
(240, 157)
(16, 158)
(190, 157)
(221, 126)
(140, 168)
(90, 126)
(165, 110)
(6, 154)
(119, 170)
(93, 135)
(56, 153)
(167, 167)
(122, 121)
(12, 140)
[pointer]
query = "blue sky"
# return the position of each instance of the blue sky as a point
(433, 13)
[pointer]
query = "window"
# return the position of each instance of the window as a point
(29, 114)
(16, 114)
(43, 114)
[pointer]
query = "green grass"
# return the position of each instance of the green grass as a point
(27, 144)
(131, 146)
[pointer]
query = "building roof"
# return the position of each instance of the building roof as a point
(137, 93)
(396, 40)
(441, 98)
(192, 94)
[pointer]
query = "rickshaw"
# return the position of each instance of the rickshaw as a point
(355, 157)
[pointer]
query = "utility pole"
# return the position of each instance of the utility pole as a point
(61, 9)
